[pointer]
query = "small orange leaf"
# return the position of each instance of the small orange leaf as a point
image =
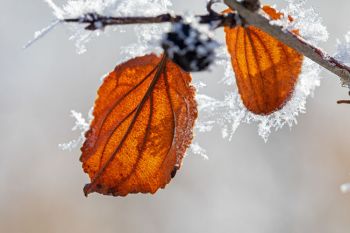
(266, 69)
(143, 121)
(273, 13)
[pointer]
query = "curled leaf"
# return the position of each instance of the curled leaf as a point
(143, 121)
(266, 70)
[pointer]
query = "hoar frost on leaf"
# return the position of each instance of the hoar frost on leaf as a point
(230, 112)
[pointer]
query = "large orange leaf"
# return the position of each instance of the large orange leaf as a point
(266, 70)
(143, 120)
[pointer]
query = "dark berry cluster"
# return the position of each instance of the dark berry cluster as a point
(187, 47)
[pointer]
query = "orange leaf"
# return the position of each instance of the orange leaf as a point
(143, 120)
(266, 70)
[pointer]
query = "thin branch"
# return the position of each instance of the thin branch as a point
(96, 21)
(293, 41)
(343, 102)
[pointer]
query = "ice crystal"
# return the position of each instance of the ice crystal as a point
(343, 54)
(198, 150)
(343, 49)
(81, 125)
(307, 20)
(230, 112)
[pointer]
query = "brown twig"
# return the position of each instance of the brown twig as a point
(343, 102)
(293, 41)
(95, 21)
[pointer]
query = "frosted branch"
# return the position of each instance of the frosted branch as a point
(96, 21)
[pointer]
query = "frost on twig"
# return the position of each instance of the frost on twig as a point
(147, 36)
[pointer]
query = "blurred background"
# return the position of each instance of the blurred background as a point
(290, 184)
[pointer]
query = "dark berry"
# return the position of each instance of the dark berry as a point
(188, 48)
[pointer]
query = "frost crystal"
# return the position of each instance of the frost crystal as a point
(230, 112)
(307, 21)
(80, 124)
(343, 54)
(343, 49)
(198, 150)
